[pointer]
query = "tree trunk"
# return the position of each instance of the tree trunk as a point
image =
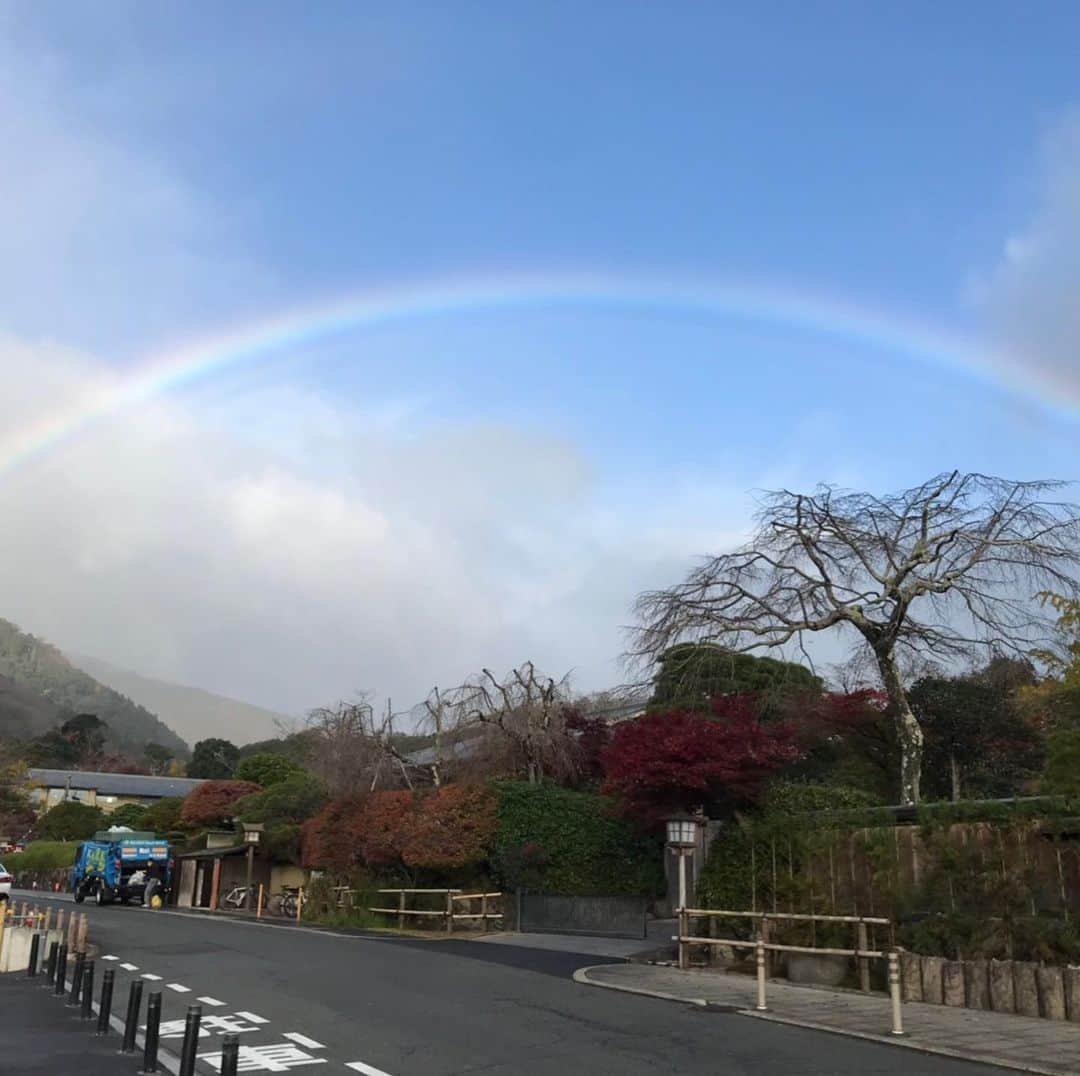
(908, 731)
(954, 773)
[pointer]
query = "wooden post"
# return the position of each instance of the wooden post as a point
(483, 911)
(80, 934)
(684, 932)
(48, 918)
(72, 927)
(299, 903)
(894, 993)
(401, 909)
(449, 911)
(61, 912)
(864, 962)
(760, 961)
(766, 937)
(259, 905)
(215, 881)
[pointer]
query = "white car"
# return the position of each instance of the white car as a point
(5, 884)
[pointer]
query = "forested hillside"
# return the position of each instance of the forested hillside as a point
(39, 685)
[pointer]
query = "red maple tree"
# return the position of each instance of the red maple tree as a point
(682, 761)
(453, 827)
(212, 802)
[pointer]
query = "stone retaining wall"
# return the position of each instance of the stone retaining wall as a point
(1012, 986)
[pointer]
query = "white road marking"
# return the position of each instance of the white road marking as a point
(147, 975)
(252, 1018)
(130, 967)
(211, 1001)
(311, 1044)
(178, 988)
(110, 958)
(368, 1070)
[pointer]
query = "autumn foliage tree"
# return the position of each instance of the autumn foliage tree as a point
(212, 803)
(680, 761)
(453, 827)
(444, 829)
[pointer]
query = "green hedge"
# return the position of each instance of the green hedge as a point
(42, 856)
(556, 840)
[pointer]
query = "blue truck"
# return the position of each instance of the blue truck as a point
(115, 864)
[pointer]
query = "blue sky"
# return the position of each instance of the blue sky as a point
(508, 478)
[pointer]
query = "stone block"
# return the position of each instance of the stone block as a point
(1071, 976)
(1002, 994)
(977, 984)
(911, 976)
(1026, 987)
(1051, 992)
(932, 987)
(952, 982)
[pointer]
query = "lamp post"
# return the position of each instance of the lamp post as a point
(682, 839)
(252, 833)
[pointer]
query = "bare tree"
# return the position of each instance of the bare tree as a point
(347, 746)
(524, 715)
(940, 571)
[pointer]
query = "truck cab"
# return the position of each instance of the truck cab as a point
(112, 866)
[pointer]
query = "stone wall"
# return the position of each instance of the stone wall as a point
(1012, 986)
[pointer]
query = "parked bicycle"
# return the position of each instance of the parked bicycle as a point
(284, 903)
(237, 896)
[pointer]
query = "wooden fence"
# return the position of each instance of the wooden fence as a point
(488, 907)
(864, 871)
(763, 948)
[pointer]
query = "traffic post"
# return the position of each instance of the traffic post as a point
(191, 1040)
(153, 1025)
(131, 1023)
(88, 990)
(76, 978)
(230, 1055)
(105, 1006)
(60, 983)
(35, 945)
(50, 965)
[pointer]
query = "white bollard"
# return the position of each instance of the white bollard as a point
(894, 993)
(760, 950)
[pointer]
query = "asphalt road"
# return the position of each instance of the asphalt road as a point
(393, 1007)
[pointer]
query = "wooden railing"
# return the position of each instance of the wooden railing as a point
(447, 913)
(763, 946)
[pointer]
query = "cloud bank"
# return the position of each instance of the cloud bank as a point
(342, 554)
(1031, 298)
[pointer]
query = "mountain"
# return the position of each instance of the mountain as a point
(40, 686)
(196, 714)
(24, 714)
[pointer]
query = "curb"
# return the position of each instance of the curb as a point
(582, 976)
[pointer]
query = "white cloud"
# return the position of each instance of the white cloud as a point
(1031, 298)
(169, 541)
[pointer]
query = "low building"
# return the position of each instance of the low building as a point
(105, 790)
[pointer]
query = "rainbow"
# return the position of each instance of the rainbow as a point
(858, 324)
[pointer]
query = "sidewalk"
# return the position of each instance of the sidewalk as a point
(41, 1036)
(1023, 1043)
(658, 938)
